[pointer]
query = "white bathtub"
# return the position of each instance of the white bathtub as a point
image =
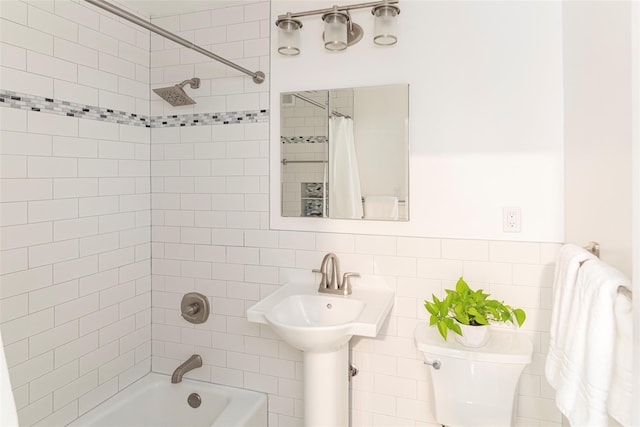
(153, 401)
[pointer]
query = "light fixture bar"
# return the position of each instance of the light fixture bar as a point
(339, 9)
(339, 29)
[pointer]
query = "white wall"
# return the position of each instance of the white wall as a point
(75, 288)
(597, 87)
(486, 112)
(635, 170)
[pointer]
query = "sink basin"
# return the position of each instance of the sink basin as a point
(312, 321)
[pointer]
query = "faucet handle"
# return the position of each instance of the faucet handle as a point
(346, 282)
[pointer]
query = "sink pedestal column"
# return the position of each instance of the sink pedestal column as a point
(326, 388)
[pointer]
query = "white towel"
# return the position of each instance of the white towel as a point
(381, 207)
(569, 260)
(587, 364)
(620, 395)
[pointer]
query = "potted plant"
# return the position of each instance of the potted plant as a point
(468, 313)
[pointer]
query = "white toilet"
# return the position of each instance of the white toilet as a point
(474, 387)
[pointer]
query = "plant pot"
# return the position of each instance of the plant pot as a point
(473, 336)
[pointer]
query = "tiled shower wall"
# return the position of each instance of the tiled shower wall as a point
(210, 186)
(75, 206)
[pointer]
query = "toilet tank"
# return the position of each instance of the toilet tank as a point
(475, 387)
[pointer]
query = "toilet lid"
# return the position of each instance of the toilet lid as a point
(503, 346)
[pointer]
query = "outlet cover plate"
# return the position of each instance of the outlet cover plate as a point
(511, 220)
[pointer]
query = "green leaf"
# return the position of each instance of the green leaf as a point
(444, 309)
(461, 315)
(451, 324)
(472, 311)
(456, 328)
(481, 319)
(442, 328)
(520, 316)
(432, 320)
(431, 308)
(461, 286)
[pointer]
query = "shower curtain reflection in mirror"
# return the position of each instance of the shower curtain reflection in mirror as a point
(345, 197)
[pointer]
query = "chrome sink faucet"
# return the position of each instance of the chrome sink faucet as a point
(195, 361)
(330, 280)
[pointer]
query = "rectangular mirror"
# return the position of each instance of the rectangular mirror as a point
(344, 153)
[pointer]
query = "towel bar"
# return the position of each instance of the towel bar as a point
(625, 291)
(285, 162)
(399, 201)
(594, 248)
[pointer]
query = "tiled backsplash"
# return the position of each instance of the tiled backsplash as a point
(81, 217)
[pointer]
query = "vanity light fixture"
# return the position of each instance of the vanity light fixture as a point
(339, 29)
(288, 35)
(385, 25)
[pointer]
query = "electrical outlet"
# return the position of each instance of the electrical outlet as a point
(511, 220)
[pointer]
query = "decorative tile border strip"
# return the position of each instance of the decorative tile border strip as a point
(71, 109)
(210, 119)
(302, 139)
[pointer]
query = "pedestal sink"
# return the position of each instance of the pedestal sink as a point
(321, 326)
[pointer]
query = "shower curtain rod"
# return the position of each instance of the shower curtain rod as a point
(319, 104)
(258, 76)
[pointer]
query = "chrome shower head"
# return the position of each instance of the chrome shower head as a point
(175, 95)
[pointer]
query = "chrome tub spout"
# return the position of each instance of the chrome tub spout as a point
(195, 361)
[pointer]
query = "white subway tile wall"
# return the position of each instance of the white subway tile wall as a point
(75, 223)
(85, 203)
